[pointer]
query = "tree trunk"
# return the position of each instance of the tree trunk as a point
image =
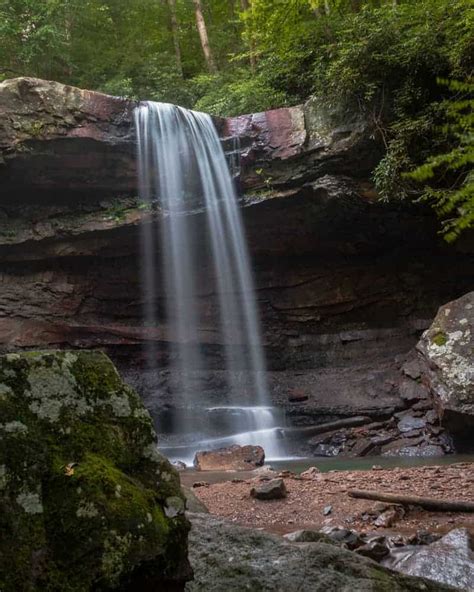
(245, 6)
(202, 30)
(174, 31)
(327, 7)
(428, 503)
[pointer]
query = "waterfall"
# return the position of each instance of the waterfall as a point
(182, 169)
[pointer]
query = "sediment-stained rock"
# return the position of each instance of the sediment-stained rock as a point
(233, 458)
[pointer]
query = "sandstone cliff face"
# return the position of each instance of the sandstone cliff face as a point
(345, 285)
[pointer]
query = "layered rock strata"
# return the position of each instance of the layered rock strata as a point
(345, 284)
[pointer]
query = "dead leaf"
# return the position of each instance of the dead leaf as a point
(69, 469)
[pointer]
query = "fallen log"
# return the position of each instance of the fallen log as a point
(308, 432)
(428, 503)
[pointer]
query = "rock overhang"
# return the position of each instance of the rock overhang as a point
(56, 139)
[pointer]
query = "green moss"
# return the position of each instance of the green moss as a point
(440, 338)
(34, 128)
(83, 495)
(118, 209)
(95, 374)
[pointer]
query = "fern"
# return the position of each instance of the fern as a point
(454, 203)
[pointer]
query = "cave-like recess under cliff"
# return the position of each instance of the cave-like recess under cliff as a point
(345, 284)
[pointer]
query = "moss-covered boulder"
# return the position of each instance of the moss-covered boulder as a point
(86, 501)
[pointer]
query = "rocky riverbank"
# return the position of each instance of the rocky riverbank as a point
(313, 510)
(317, 500)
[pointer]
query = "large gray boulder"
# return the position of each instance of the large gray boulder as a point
(449, 560)
(230, 558)
(447, 350)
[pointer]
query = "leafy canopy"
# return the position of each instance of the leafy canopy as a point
(376, 59)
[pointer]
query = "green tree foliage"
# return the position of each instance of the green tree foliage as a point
(455, 201)
(381, 61)
(375, 59)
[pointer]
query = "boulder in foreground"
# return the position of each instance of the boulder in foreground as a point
(86, 501)
(229, 558)
(233, 458)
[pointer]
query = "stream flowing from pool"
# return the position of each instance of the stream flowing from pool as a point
(183, 170)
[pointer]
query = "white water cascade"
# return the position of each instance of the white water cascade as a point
(182, 169)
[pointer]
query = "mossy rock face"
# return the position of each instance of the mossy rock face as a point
(86, 501)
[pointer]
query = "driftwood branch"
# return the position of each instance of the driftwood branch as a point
(428, 503)
(308, 432)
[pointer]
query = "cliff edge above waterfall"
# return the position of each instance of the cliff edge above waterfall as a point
(55, 137)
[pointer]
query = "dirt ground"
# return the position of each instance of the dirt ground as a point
(304, 507)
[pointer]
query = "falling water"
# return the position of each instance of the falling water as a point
(182, 167)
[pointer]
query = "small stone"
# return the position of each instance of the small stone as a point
(264, 473)
(349, 538)
(425, 405)
(297, 396)
(327, 510)
(269, 490)
(409, 423)
(375, 550)
(193, 503)
(200, 484)
(311, 473)
(431, 417)
(389, 517)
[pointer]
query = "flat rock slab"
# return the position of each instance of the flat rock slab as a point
(408, 423)
(449, 560)
(233, 458)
